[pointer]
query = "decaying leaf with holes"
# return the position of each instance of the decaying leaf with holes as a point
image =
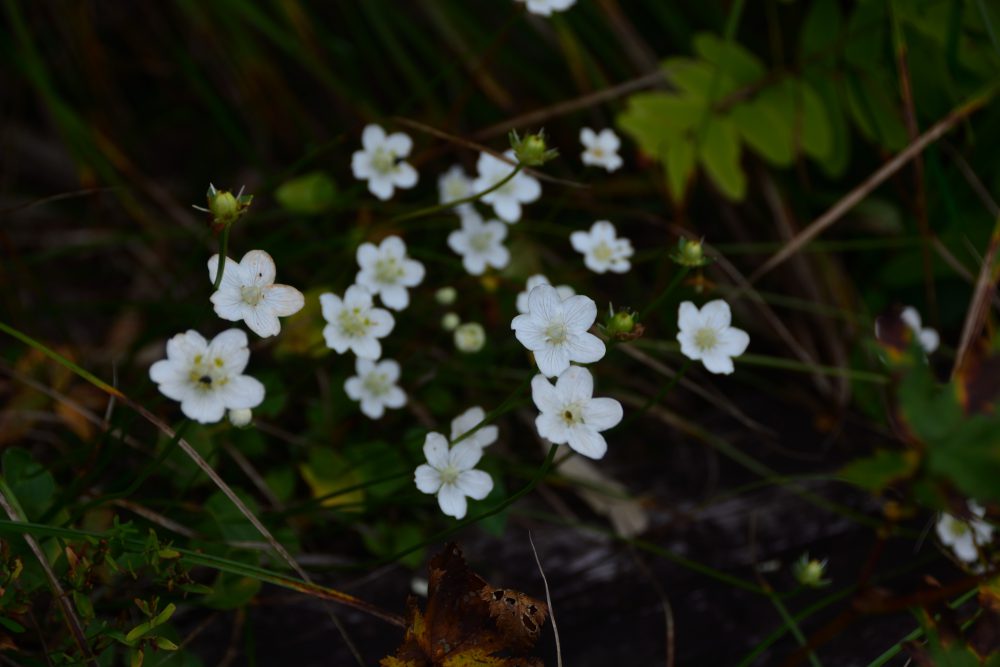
(468, 623)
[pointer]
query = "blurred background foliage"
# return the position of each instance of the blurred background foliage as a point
(742, 123)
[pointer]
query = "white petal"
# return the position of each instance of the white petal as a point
(372, 408)
(365, 348)
(166, 370)
(404, 175)
(242, 391)
(204, 408)
(602, 413)
(228, 304)
(602, 230)
(436, 450)
(688, 317)
(353, 388)
(575, 384)
(458, 241)
(579, 312)
(475, 483)
(258, 268)
(389, 368)
(399, 144)
(585, 348)
(929, 340)
(594, 264)
(732, 342)
(466, 421)
(507, 209)
(361, 165)
(382, 322)
(465, 455)
(581, 241)
(552, 427)
(331, 306)
(689, 348)
(262, 321)
(587, 137)
(587, 442)
(284, 300)
(716, 314)
(911, 317)
(452, 501)
(363, 367)
(428, 479)
(552, 360)
(527, 188)
(474, 264)
(395, 297)
(544, 304)
(395, 398)
(392, 246)
(544, 395)
(367, 255)
(381, 186)
(717, 363)
(231, 346)
(413, 273)
(357, 296)
(231, 275)
(372, 137)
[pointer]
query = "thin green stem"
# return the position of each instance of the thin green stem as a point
(654, 400)
(792, 626)
(674, 282)
(430, 210)
(223, 255)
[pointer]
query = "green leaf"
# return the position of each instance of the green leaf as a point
(328, 473)
(868, 28)
(875, 112)
(699, 80)
(137, 632)
(679, 162)
(655, 121)
(969, 456)
(310, 193)
(32, 484)
(165, 644)
(164, 615)
(762, 126)
(734, 61)
(816, 136)
(11, 625)
(719, 154)
(230, 591)
(229, 522)
(377, 460)
(879, 471)
(820, 32)
(835, 161)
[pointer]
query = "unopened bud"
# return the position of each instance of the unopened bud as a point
(450, 321)
(470, 337)
(446, 296)
(531, 151)
(224, 206)
(689, 253)
(809, 572)
(240, 417)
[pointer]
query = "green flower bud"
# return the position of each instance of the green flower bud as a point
(622, 325)
(532, 150)
(224, 206)
(809, 572)
(446, 296)
(450, 321)
(689, 253)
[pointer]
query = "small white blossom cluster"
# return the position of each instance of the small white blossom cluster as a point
(965, 538)
(206, 377)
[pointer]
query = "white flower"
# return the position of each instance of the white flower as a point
(570, 416)
(467, 421)
(380, 161)
(451, 474)
(375, 386)
(705, 335)
(600, 148)
(963, 536)
(546, 7)
(240, 417)
(453, 185)
(555, 330)
(248, 293)
(507, 200)
(470, 337)
(480, 243)
(564, 291)
(928, 337)
(602, 251)
(387, 271)
(353, 323)
(207, 378)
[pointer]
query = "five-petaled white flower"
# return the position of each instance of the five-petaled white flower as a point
(546, 7)
(602, 250)
(451, 474)
(928, 337)
(961, 536)
(207, 377)
(600, 148)
(705, 335)
(375, 386)
(248, 293)
(467, 421)
(387, 271)
(569, 415)
(506, 200)
(564, 291)
(380, 162)
(480, 243)
(470, 337)
(453, 185)
(354, 323)
(556, 330)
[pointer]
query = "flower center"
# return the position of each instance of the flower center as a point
(706, 339)
(383, 161)
(455, 189)
(958, 528)
(207, 375)
(353, 322)
(481, 242)
(597, 152)
(377, 384)
(556, 334)
(388, 270)
(251, 294)
(572, 414)
(603, 252)
(449, 474)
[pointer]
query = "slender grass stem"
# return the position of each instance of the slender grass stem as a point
(223, 255)
(431, 210)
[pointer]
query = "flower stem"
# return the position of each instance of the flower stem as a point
(223, 253)
(664, 390)
(430, 210)
(678, 277)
